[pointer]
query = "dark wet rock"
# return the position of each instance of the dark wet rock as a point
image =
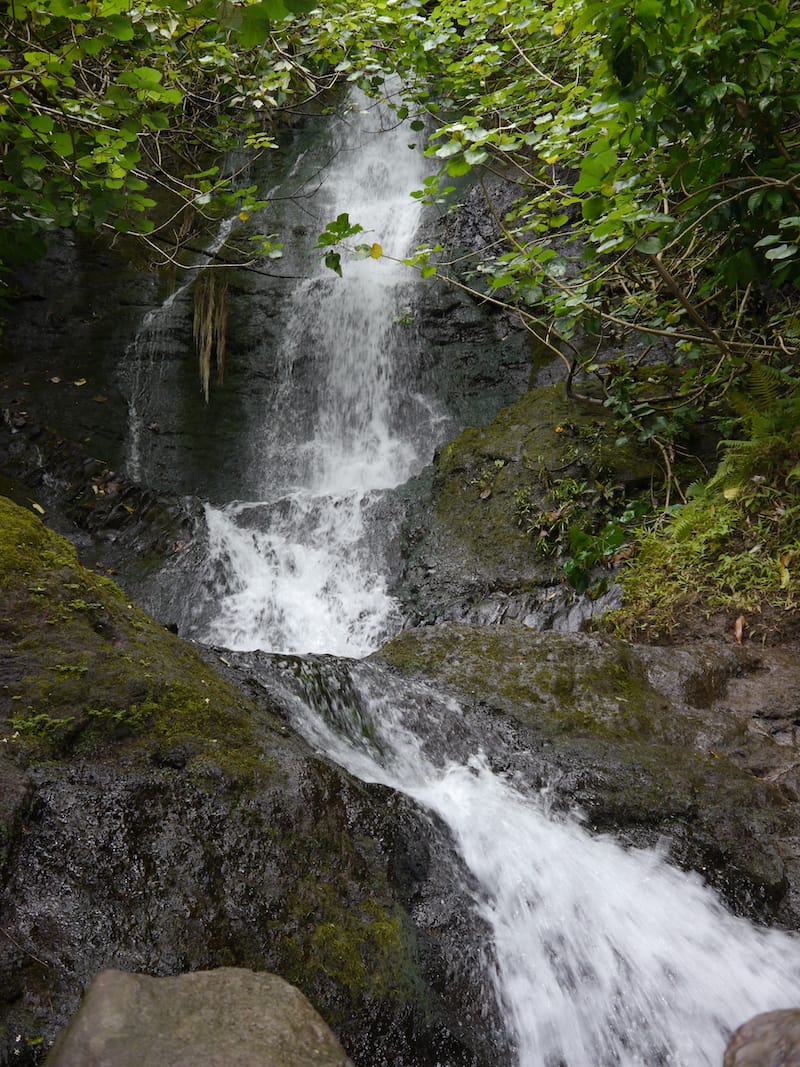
(118, 525)
(160, 819)
(467, 554)
(768, 1040)
(14, 787)
(652, 744)
(224, 1018)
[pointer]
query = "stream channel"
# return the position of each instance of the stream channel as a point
(601, 955)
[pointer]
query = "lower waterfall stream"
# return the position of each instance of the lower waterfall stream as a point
(602, 955)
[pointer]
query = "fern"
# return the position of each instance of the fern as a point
(770, 414)
(766, 385)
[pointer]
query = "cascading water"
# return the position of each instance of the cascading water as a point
(605, 956)
(299, 570)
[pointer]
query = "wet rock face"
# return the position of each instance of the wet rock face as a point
(466, 553)
(224, 1018)
(768, 1040)
(653, 744)
(157, 818)
(315, 878)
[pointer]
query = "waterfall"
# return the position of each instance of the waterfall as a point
(605, 956)
(300, 569)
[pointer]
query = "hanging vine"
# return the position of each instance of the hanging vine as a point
(210, 324)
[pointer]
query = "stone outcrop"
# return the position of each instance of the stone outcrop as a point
(159, 819)
(224, 1018)
(466, 553)
(657, 745)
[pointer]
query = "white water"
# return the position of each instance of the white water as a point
(306, 579)
(605, 956)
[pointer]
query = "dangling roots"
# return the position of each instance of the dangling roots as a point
(210, 315)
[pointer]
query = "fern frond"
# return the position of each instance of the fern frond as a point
(696, 490)
(767, 385)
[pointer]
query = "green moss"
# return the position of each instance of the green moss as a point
(737, 556)
(562, 683)
(586, 704)
(542, 438)
(364, 946)
(91, 670)
(362, 949)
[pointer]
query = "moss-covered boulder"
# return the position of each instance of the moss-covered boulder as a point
(469, 550)
(156, 817)
(655, 745)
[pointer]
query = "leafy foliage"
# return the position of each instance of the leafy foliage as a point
(588, 526)
(654, 146)
(101, 101)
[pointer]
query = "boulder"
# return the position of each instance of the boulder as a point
(224, 1018)
(660, 746)
(467, 549)
(768, 1040)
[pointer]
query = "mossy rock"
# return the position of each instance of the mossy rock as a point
(604, 726)
(157, 817)
(543, 437)
(89, 670)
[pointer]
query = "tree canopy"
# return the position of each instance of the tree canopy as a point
(107, 105)
(653, 146)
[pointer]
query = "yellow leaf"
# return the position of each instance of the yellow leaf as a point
(244, 215)
(732, 492)
(558, 29)
(550, 160)
(38, 507)
(80, 381)
(376, 251)
(785, 576)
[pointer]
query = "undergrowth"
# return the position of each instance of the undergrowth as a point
(734, 547)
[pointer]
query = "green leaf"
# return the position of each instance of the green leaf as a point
(593, 208)
(140, 78)
(782, 252)
(257, 20)
(118, 27)
(334, 261)
(458, 167)
(451, 148)
(594, 168)
(649, 245)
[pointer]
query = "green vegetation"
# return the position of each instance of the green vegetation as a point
(367, 948)
(105, 106)
(589, 525)
(654, 146)
(735, 547)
